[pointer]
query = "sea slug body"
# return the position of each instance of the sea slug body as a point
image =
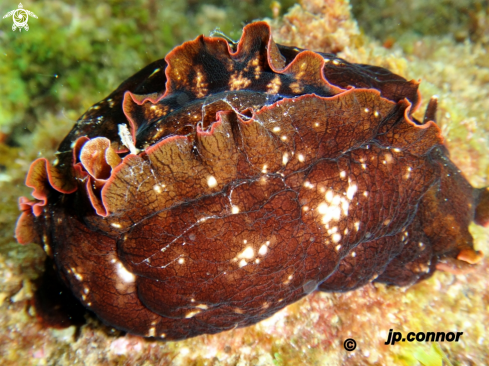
(220, 184)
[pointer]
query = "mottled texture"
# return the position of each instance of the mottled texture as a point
(219, 185)
(461, 19)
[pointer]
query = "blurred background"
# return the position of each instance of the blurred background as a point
(78, 51)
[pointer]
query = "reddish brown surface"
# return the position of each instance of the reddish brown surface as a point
(258, 175)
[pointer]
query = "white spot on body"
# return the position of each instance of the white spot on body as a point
(408, 174)
(263, 250)
(248, 253)
(78, 276)
(336, 238)
(191, 314)
(350, 192)
(211, 181)
(329, 196)
(322, 208)
(157, 188)
(242, 263)
(126, 139)
(285, 159)
(124, 274)
(336, 200)
(332, 213)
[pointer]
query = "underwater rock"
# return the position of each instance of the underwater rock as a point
(216, 186)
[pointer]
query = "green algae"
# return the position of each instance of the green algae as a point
(76, 52)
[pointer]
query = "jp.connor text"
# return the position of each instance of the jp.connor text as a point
(423, 337)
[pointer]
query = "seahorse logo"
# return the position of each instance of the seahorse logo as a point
(20, 17)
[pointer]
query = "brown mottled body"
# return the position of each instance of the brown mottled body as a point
(219, 185)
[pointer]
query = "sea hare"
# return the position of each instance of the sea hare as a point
(228, 180)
